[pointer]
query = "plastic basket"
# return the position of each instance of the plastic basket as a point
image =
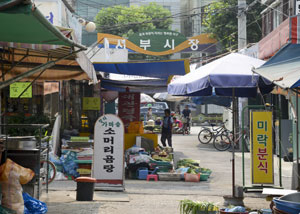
(204, 176)
(188, 177)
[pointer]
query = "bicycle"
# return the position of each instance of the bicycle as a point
(206, 135)
(186, 126)
(223, 142)
(47, 168)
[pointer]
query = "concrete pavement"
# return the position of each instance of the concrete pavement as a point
(163, 197)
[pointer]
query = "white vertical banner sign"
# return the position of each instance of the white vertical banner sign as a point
(108, 159)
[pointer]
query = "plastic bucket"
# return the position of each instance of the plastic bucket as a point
(288, 203)
(277, 211)
(85, 188)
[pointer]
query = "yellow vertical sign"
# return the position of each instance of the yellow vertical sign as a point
(262, 147)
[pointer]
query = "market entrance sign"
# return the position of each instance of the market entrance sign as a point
(262, 147)
(15, 90)
(159, 42)
(108, 159)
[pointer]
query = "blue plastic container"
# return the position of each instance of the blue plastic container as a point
(142, 173)
(289, 203)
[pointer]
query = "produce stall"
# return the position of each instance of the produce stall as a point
(160, 165)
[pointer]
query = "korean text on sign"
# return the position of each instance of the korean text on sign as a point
(262, 148)
(108, 140)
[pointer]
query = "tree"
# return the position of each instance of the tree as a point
(220, 19)
(124, 21)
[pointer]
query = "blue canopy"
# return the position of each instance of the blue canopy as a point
(161, 69)
(233, 71)
(284, 68)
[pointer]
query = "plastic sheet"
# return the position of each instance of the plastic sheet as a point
(33, 206)
(69, 166)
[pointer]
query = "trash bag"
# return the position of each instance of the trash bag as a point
(69, 166)
(24, 174)
(33, 206)
(12, 176)
(236, 209)
(60, 177)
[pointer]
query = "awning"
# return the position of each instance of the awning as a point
(283, 69)
(144, 86)
(161, 69)
(29, 40)
(76, 66)
(23, 22)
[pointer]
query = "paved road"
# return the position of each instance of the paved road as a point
(163, 197)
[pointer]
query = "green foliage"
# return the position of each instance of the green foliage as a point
(124, 21)
(23, 130)
(195, 207)
(221, 20)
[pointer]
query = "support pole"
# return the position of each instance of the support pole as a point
(233, 141)
(297, 144)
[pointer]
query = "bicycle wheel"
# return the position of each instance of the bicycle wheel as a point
(205, 136)
(222, 142)
(51, 171)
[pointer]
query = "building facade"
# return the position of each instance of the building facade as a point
(276, 28)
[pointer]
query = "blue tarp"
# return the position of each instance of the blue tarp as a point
(162, 69)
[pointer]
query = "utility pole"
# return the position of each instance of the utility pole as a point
(242, 43)
(242, 24)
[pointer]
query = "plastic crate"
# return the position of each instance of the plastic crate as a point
(188, 177)
(165, 176)
(142, 173)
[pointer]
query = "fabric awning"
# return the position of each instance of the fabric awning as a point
(67, 69)
(23, 22)
(161, 69)
(283, 69)
(28, 39)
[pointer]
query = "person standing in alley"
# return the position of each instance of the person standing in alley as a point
(149, 114)
(166, 131)
(186, 113)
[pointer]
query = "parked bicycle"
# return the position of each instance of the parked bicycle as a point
(48, 169)
(207, 134)
(223, 142)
